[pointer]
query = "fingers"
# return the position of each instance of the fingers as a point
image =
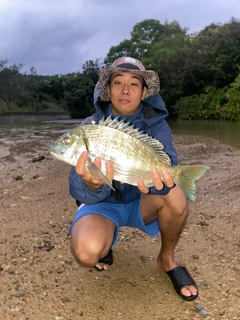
(142, 187)
(156, 180)
(81, 164)
(97, 162)
(167, 178)
(109, 170)
(159, 179)
(90, 177)
(158, 183)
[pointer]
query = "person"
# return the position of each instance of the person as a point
(129, 91)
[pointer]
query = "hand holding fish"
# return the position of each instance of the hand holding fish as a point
(175, 197)
(92, 181)
(159, 179)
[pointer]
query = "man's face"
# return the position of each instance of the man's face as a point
(126, 92)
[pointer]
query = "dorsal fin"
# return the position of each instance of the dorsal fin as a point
(132, 131)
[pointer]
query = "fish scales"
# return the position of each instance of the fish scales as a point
(132, 153)
(130, 156)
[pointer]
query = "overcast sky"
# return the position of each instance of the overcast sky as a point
(58, 36)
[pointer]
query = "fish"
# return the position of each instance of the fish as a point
(132, 152)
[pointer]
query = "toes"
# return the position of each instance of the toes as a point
(101, 266)
(189, 291)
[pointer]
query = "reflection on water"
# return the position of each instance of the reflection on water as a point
(224, 131)
(12, 134)
(18, 142)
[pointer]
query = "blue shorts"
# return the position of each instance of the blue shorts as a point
(126, 214)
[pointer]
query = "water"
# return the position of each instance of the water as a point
(12, 134)
(19, 141)
(223, 131)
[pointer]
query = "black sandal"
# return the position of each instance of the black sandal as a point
(180, 278)
(108, 259)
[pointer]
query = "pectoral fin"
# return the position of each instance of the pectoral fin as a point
(92, 168)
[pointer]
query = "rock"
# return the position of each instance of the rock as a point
(200, 310)
(38, 157)
(24, 198)
(195, 256)
(205, 283)
(144, 258)
(17, 178)
(65, 299)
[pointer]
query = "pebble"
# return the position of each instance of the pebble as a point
(38, 157)
(195, 256)
(65, 299)
(205, 283)
(17, 178)
(200, 310)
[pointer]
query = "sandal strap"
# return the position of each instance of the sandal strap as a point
(108, 259)
(180, 278)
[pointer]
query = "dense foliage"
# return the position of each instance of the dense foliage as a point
(199, 73)
(72, 93)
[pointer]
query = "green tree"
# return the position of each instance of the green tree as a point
(10, 83)
(232, 107)
(157, 46)
(79, 94)
(91, 69)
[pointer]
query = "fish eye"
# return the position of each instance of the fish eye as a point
(66, 140)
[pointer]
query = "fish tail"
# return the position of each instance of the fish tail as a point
(185, 176)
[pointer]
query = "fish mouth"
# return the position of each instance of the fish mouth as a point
(54, 150)
(56, 154)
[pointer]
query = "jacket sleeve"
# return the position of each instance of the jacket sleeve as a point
(80, 192)
(163, 133)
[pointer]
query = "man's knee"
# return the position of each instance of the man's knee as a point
(178, 208)
(86, 254)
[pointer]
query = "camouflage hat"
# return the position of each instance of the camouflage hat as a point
(127, 64)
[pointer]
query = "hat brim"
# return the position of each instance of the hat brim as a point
(151, 78)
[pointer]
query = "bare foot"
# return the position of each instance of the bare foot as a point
(101, 266)
(105, 262)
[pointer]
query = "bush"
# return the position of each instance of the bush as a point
(219, 104)
(233, 104)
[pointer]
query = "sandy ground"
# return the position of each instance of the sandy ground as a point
(39, 279)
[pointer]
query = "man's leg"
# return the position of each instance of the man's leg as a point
(91, 239)
(171, 212)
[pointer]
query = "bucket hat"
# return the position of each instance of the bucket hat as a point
(128, 64)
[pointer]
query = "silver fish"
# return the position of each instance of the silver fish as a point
(132, 152)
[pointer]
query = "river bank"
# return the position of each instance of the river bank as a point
(29, 117)
(40, 280)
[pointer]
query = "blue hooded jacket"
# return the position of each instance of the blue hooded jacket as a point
(151, 119)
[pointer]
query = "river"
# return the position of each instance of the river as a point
(223, 131)
(13, 134)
